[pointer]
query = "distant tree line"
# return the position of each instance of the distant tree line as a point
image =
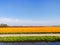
(3, 25)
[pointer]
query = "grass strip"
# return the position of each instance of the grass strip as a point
(30, 39)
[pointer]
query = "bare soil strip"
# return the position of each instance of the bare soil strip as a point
(7, 35)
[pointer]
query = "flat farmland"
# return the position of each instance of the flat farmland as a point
(29, 29)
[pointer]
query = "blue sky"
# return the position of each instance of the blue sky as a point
(30, 12)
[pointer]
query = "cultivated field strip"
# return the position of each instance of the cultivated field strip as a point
(8, 35)
(28, 29)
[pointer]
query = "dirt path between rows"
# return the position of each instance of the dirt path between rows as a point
(7, 35)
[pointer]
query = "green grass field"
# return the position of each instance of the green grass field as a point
(30, 39)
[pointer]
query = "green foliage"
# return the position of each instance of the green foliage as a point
(30, 39)
(3, 25)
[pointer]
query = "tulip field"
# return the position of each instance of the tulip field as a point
(28, 29)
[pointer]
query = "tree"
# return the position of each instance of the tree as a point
(3, 25)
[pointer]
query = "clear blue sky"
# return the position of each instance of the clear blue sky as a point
(35, 10)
